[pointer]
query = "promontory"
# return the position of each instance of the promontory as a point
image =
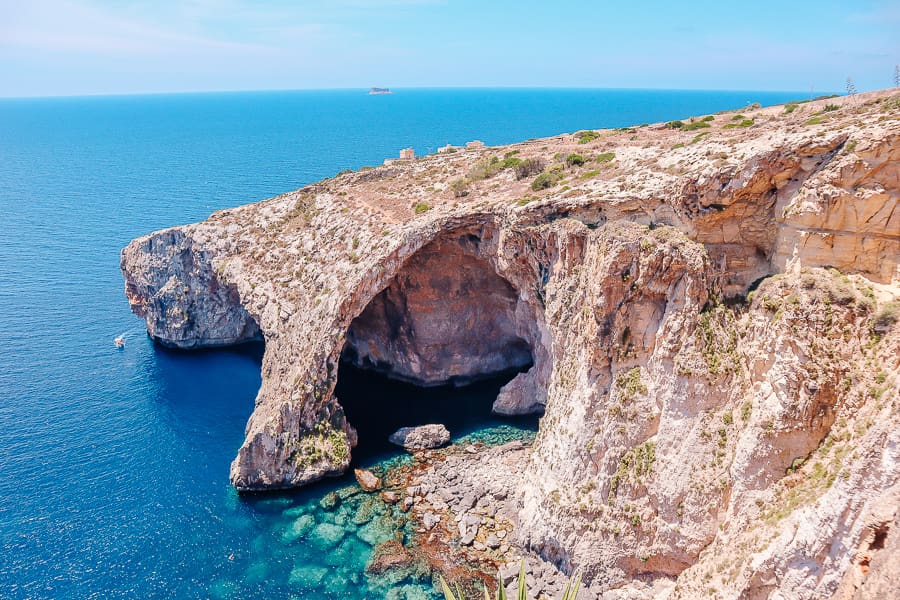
(706, 312)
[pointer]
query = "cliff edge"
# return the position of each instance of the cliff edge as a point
(705, 311)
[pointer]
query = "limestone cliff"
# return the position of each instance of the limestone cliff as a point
(705, 311)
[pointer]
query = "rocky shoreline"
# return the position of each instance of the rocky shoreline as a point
(467, 498)
(462, 503)
(706, 311)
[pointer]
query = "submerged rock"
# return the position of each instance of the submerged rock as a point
(351, 554)
(327, 535)
(329, 502)
(307, 576)
(367, 480)
(408, 592)
(377, 530)
(388, 555)
(366, 511)
(423, 437)
(298, 529)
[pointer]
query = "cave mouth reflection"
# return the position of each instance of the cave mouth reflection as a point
(377, 405)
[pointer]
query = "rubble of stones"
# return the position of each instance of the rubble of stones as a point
(466, 497)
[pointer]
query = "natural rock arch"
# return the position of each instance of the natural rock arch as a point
(446, 317)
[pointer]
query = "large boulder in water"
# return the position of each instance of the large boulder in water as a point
(421, 438)
(367, 480)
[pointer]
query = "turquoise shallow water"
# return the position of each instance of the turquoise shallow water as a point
(113, 465)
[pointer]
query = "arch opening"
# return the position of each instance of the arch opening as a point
(436, 345)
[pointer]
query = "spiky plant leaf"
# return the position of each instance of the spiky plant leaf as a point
(571, 591)
(523, 593)
(501, 591)
(448, 593)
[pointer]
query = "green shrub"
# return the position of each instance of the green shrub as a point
(814, 121)
(738, 118)
(699, 136)
(887, 316)
(630, 384)
(817, 98)
(605, 157)
(675, 124)
(529, 167)
(708, 118)
(459, 187)
(695, 125)
(542, 181)
(587, 136)
(677, 146)
(789, 108)
(574, 160)
(421, 207)
(830, 108)
(738, 124)
(510, 153)
(511, 162)
(484, 168)
(547, 179)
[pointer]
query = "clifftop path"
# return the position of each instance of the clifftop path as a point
(706, 311)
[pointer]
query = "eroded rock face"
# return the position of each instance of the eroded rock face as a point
(178, 294)
(692, 433)
(446, 317)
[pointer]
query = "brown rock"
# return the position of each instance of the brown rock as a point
(390, 497)
(367, 480)
(388, 555)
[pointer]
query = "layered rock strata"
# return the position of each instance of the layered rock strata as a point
(708, 321)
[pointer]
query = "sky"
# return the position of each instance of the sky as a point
(80, 47)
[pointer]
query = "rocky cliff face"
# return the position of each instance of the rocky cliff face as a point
(708, 321)
(446, 316)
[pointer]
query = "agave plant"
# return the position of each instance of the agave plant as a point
(569, 593)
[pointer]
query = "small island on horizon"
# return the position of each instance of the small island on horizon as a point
(377, 91)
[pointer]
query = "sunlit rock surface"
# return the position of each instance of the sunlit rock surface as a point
(696, 439)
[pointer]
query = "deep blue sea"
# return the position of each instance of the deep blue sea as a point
(114, 464)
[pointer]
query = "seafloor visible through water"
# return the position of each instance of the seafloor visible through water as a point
(321, 539)
(114, 463)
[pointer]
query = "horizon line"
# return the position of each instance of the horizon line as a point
(811, 93)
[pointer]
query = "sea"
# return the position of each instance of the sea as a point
(114, 463)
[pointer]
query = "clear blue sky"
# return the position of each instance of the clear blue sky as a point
(65, 47)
